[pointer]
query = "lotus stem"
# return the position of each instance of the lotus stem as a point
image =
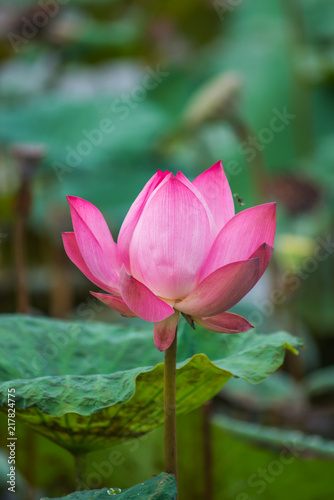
(27, 158)
(20, 267)
(207, 450)
(80, 470)
(170, 408)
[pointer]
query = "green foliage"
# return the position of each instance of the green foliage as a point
(320, 382)
(255, 472)
(58, 121)
(161, 487)
(278, 390)
(88, 385)
(118, 156)
(305, 445)
(238, 461)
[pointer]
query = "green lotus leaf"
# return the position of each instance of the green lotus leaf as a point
(89, 385)
(320, 382)
(278, 391)
(160, 487)
(305, 444)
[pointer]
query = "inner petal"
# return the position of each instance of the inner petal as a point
(171, 241)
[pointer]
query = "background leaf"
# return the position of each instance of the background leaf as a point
(237, 462)
(306, 445)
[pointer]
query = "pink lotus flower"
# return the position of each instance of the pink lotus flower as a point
(181, 248)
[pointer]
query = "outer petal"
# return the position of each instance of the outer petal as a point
(214, 187)
(171, 241)
(224, 323)
(141, 300)
(115, 303)
(95, 242)
(164, 331)
(263, 253)
(222, 289)
(73, 252)
(132, 217)
(241, 236)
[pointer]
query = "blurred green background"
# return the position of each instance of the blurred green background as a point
(95, 96)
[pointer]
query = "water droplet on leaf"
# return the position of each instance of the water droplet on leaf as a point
(114, 491)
